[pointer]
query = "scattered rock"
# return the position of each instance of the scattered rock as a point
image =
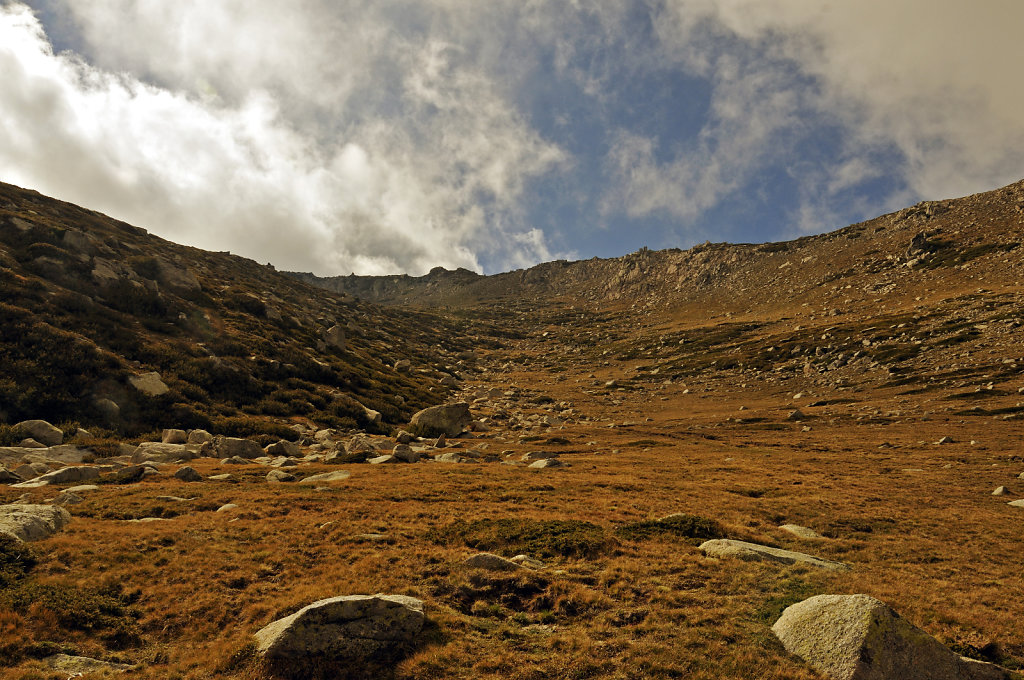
(856, 637)
(230, 447)
(280, 476)
(42, 432)
(336, 476)
(945, 440)
(404, 453)
(403, 437)
(538, 455)
(67, 498)
(724, 547)
(354, 634)
(174, 437)
(448, 419)
(450, 457)
(32, 522)
(403, 366)
(383, 460)
(80, 665)
(527, 561)
(109, 409)
(66, 475)
(199, 437)
(283, 448)
(31, 444)
(31, 470)
(490, 562)
(1017, 504)
(1001, 491)
(129, 474)
(149, 384)
(159, 452)
(547, 463)
(8, 477)
(188, 474)
(227, 507)
(335, 337)
(799, 531)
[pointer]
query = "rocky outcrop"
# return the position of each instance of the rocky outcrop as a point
(32, 522)
(448, 419)
(341, 637)
(856, 637)
(753, 552)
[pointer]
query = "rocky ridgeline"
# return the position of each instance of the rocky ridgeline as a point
(875, 257)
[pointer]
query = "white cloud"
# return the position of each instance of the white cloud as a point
(260, 168)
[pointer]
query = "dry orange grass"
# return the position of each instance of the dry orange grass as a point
(914, 519)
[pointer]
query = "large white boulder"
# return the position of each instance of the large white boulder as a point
(32, 522)
(856, 637)
(351, 635)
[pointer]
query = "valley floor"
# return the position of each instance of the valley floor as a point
(858, 460)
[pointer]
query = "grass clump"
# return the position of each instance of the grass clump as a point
(16, 560)
(537, 538)
(104, 611)
(692, 527)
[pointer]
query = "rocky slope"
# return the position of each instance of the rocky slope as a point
(104, 324)
(928, 242)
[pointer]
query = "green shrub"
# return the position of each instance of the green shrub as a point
(537, 538)
(104, 611)
(16, 560)
(692, 527)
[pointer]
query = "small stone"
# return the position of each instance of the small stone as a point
(174, 437)
(149, 384)
(336, 476)
(490, 562)
(188, 474)
(227, 507)
(404, 453)
(547, 463)
(41, 431)
(752, 552)
(945, 440)
(799, 531)
(200, 437)
(383, 460)
(76, 666)
(538, 455)
(283, 448)
(450, 457)
(1001, 491)
(280, 476)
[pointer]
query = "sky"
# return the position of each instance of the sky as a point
(394, 136)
